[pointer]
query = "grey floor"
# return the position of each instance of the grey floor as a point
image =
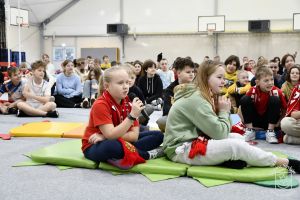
(48, 182)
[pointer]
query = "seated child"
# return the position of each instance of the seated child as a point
(236, 91)
(91, 87)
(290, 123)
(24, 71)
(287, 61)
(262, 106)
(14, 88)
(166, 75)
(150, 83)
(186, 73)
(37, 93)
(273, 65)
(232, 63)
(106, 64)
(112, 134)
(68, 87)
(198, 126)
(292, 79)
(137, 70)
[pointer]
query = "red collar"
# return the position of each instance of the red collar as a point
(119, 111)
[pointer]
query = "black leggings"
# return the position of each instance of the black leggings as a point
(250, 115)
(64, 102)
(112, 149)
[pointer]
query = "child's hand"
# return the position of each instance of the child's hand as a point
(95, 138)
(224, 104)
(137, 107)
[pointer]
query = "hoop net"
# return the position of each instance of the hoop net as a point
(210, 31)
(25, 25)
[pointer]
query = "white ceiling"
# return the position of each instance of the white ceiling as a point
(39, 10)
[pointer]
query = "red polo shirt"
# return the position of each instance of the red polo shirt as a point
(106, 111)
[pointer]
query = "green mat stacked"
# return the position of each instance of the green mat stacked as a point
(68, 155)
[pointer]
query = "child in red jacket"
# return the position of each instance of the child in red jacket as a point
(263, 105)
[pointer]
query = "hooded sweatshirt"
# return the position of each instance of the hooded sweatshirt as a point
(152, 88)
(192, 116)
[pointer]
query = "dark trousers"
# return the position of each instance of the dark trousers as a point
(64, 102)
(250, 115)
(112, 149)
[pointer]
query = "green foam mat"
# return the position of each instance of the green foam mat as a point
(249, 174)
(63, 154)
(28, 163)
(285, 183)
(157, 166)
(68, 154)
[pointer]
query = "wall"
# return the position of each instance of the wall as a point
(198, 46)
(30, 41)
(170, 26)
(79, 42)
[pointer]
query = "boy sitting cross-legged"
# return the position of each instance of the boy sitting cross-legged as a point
(263, 105)
(14, 89)
(37, 92)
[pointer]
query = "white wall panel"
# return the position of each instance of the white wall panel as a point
(165, 16)
(87, 17)
(258, 9)
(259, 44)
(30, 41)
(147, 47)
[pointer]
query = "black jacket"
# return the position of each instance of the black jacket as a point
(152, 88)
(135, 91)
(168, 94)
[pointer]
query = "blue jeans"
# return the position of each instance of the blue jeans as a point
(112, 149)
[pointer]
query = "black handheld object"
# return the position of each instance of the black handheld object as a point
(131, 96)
(159, 57)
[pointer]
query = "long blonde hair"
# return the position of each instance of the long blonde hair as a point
(107, 76)
(205, 70)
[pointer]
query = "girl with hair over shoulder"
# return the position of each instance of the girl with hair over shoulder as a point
(112, 134)
(198, 127)
(292, 79)
(91, 87)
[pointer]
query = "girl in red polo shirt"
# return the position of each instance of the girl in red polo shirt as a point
(112, 134)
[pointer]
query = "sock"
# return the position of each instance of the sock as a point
(295, 165)
(234, 164)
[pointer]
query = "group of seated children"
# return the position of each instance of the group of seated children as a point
(196, 109)
(31, 97)
(197, 130)
(261, 107)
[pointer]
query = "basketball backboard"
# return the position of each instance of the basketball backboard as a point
(214, 23)
(296, 21)
(18, 16)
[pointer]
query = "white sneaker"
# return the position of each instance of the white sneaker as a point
(271, 137)
(249, 134)
(156, 102)
(157, 107)
(156, 153)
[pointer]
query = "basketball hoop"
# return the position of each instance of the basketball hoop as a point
(24, 25)
(210, 31)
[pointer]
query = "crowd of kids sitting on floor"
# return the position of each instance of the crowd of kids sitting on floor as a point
(265, 93)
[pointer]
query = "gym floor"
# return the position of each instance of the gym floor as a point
(48, 182)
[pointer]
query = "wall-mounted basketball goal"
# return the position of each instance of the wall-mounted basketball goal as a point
(211, 24)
